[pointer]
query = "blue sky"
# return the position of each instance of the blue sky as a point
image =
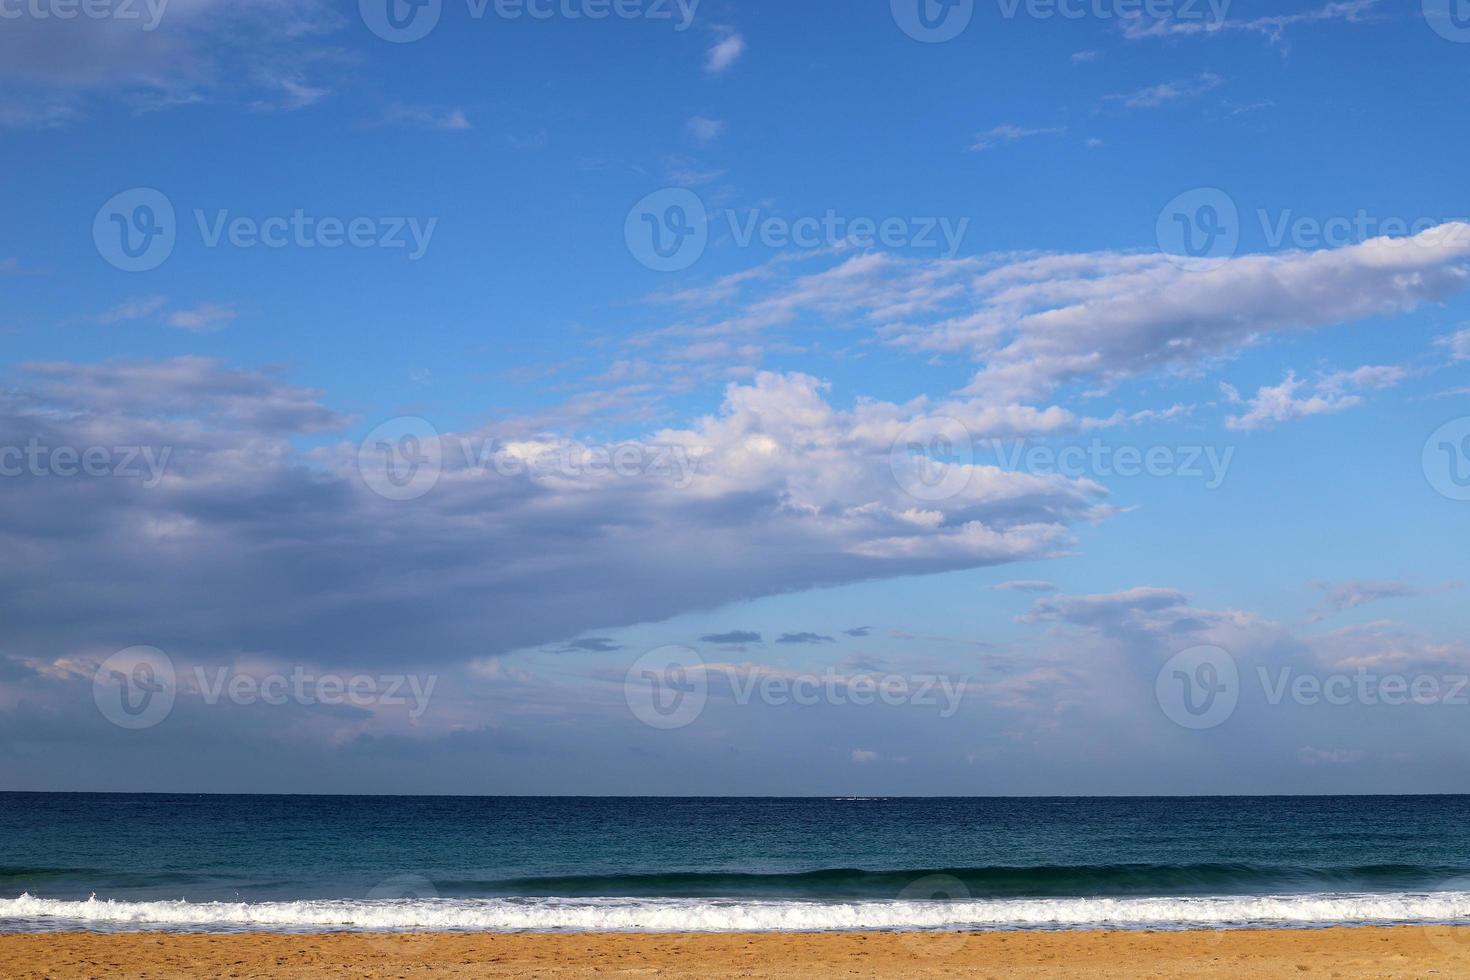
(848, 440)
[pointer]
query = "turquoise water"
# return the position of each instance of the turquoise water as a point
(509, 863)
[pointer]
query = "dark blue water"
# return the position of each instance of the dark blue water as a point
(273, 849)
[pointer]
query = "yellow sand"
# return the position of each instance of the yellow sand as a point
(1396, 952)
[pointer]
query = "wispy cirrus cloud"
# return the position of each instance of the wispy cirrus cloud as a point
(705, 130)
(1167, 93)
(1024, 585)
(1344, 596)
(1273, 28)
(265, 56)
(203, 318)
(1006, 134)
(447, 118)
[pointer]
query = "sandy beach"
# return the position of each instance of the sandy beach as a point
(1359, 952)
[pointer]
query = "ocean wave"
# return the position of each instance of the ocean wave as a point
(713, 915)
(998, 881)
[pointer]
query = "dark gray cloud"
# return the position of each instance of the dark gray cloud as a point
(858, 631)
(248, 546)
(1136, 613)
(1343, 596)
(731, 637)
(590, 644)
(804, 638)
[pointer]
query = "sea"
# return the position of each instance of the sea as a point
(216, 863)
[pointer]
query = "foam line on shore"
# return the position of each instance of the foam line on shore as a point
(716, 915)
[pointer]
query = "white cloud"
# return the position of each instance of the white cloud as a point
(1036, 322)
(723, 54)
(1273, 405)
(204, 318)
(1045, 321)
(1457, 344)
(1372, 376)
(1295, 398)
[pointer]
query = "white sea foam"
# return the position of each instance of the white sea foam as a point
(713, 915)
